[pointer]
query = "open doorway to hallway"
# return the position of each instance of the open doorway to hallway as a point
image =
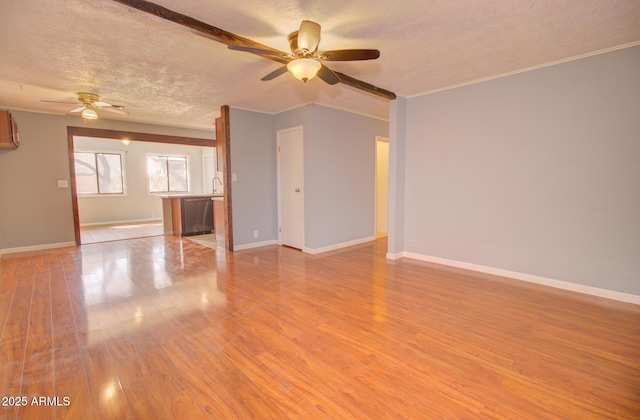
(382, 185)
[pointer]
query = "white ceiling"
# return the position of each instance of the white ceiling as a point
(164, 74)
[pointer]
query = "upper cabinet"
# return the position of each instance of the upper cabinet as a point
(9, 137)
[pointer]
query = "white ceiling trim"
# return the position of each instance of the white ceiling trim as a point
(311, 103)
(540, 66)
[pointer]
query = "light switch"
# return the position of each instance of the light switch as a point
(63, 183)
(234, 177)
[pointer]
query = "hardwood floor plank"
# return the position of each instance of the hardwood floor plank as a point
(203, 383)
(186, 405)
(142, 397)
(6, 298)
(105, 390)
(17, 322)
(289, 395)
(246, 395)
(10, 377)
(165, 377)
(68, 364)
(76, 390)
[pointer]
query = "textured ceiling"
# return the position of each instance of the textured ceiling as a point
(164, 74)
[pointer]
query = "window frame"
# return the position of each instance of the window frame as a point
(123, 173)
(168, 155)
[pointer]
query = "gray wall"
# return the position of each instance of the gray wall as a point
(339, 173)
(137, 204)
(537, 173)
(33, 210)
(339, 153)
(253, 160)
(340, 176)
(397, 157)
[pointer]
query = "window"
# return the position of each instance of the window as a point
(99, 173)
(167, 173)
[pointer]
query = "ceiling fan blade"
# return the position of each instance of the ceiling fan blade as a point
(198, 27)
(308, 36)
(277, 72)
(350, 55)
(102, 104)
(79, 109)
(58, 102)
(116, 110)
(328, 75)
(258, 51)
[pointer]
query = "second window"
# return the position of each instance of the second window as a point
(168, 173)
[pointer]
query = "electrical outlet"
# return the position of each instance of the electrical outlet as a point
(255, 233)
(63, 183)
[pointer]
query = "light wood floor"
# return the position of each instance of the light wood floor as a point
(208, 240)
(163, 327)
(120, 231)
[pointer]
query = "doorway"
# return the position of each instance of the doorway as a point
(382, 185)
(120, 183)
(290, 187)
(118, 136)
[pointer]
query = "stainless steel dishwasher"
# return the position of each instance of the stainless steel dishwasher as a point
(197, 216)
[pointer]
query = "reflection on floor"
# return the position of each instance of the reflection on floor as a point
(119, 231)
(165, 328)
(208, 240)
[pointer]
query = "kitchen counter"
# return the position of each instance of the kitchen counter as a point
(181, 195)
(172, 211)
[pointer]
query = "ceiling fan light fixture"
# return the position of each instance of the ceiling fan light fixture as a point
(89, 114)
(304, 68)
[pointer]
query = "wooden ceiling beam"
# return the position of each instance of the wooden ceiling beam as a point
(200, 28)
(367, 87)
(228, 38)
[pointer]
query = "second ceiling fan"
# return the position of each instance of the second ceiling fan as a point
(90, 103)
(305, 60)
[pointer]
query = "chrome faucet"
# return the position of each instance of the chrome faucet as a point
(214, 183)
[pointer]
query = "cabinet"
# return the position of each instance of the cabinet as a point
(219, 220)
(9, 137)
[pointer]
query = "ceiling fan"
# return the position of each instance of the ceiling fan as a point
(306, 38)
(304, 60)
(90, 103)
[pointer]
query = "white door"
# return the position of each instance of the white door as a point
(290, 187)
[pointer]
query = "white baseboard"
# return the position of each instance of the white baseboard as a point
(255, 245)
(574, 287)
(395, 256)
(35, 248)
(118, 222)
(338, 246)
